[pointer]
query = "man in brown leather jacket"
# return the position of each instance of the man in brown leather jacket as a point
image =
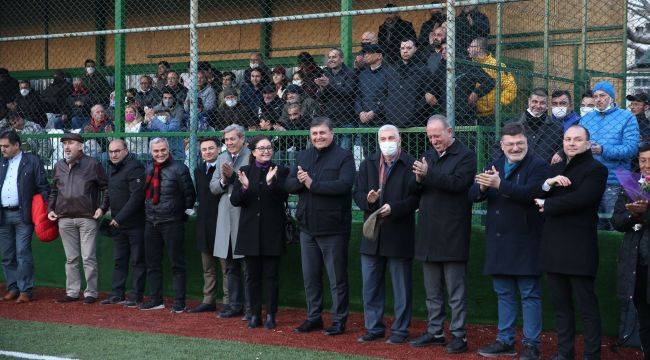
(76, 201)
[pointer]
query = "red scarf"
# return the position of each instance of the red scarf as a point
(153, 181)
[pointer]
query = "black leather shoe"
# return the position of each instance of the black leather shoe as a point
(335, 329)
(368, 337)
(309, 326)
(457, 345)
(429, 339)
(230, 313)
(255, 321)
(203, 307)
(396, 339)
(270, 321)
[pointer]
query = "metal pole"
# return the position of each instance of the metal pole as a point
(497, 87)
(583, 39)
(119, 68)
(451, 62)
(624, 56)
(346, 33)
(547, 15)
(194, 67)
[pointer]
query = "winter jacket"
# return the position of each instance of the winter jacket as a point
(485, 105)
(126, 192)
(176, 194)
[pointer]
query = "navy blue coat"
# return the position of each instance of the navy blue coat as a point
(338, 97)
(372, 92)
(31, 181)
(406, 105)
(513, 223)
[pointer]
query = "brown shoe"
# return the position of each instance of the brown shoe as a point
(23, 298)
(10, 295)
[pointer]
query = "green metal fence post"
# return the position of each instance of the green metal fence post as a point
(119, 68)
(346, 33)
(451, 63)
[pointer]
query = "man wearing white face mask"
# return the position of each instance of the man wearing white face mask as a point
(614, 142)
(98, 88)
(385, 183)
(587, 103)
(562, 109)
(30, 104)
(232, 111)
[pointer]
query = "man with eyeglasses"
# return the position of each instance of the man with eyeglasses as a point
(512, 240)
(126, 202)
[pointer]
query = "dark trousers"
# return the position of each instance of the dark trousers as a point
(128, 247)
(563, 288)
(173, 234)
(330, 252)
(235, 281)
(258, 268)
(643, 308)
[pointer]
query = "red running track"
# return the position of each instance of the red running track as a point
(208, 326)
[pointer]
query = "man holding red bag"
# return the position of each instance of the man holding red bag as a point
(21, 177)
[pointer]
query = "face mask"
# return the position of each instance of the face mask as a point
(162, 119)
(559, 112)
(388, 148)
(255, 65)
(606, 109)
(168, 103)
(530, 111)
(90, 70)
(24, 92)
(297, 82)
(129, 117)
(112, 103)
(584, 110)
(231, 102)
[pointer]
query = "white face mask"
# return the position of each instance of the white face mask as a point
(534, 113)
(24, 92)
(255, 65)
(162, 119)
(231, 102)
(168, 103)
(90, 70)
(388, 148)
(297, 82)
(584, 110)
(607, 108)
(559, 111)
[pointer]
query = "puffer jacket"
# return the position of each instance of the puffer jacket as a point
(617, 131)
(485, 105)
(176, 194)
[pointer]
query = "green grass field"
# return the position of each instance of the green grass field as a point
(82, 342)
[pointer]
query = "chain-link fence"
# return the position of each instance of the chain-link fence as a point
(190, 67)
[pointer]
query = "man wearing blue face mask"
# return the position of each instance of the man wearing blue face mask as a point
(385, 183)
(614, 142)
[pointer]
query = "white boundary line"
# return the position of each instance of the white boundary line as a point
(22, 355)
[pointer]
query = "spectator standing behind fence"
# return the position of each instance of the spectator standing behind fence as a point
(251, 92)
(170, 103)
(372, 87)
(631, 216)
(568, 198)
(260, 194)
(271, 103)
(173, 84)
(56, 94)
(77, 107)
(163, 121)
(77, 198)
(323, 179)
(513, 231)
(639, 105)
(147, 96)
(205, 92)
(225, 241)
(311, 71)
(8, 87)
(309, 108)
(367, 38)
(15, 121)
(434, 49)
(279, 80)
(544, 134)
(562, 109)
(29, 102)
(385, 183)
(405, 105)
(232, 111)
(134, 124)
(436, 19)
(169, 191)
(444, 176)
(391, 33)
(96, 83)
(485, 105)
(162, 71)
(614, 134)
(256, 63)
(21, 177)
(126, 183)
(470, 24)
(206, 223)
(337, 90)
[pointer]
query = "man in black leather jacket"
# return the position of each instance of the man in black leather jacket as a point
(169, 191)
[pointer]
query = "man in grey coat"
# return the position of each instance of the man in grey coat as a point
(225, 240)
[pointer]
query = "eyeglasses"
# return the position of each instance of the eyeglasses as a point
(264, 148)
(512, 144)
(115, 152)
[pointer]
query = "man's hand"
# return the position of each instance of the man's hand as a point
(98, 214)
(638, 207)
(596, 149)
(384, 210)
(226, 169)
(556, 158)
(322, 81)
(304, 177)
(366, 116)
(373, 196)
(472, 99)
(52, 216)
(431, 99)
(114, 224)
(420, 169)
(489, 179)
(540, 204)
(558, 181)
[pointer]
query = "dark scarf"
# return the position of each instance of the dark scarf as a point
(264, 166)
(383, 165)
(153, 181)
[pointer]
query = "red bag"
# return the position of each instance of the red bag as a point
(45, 229)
